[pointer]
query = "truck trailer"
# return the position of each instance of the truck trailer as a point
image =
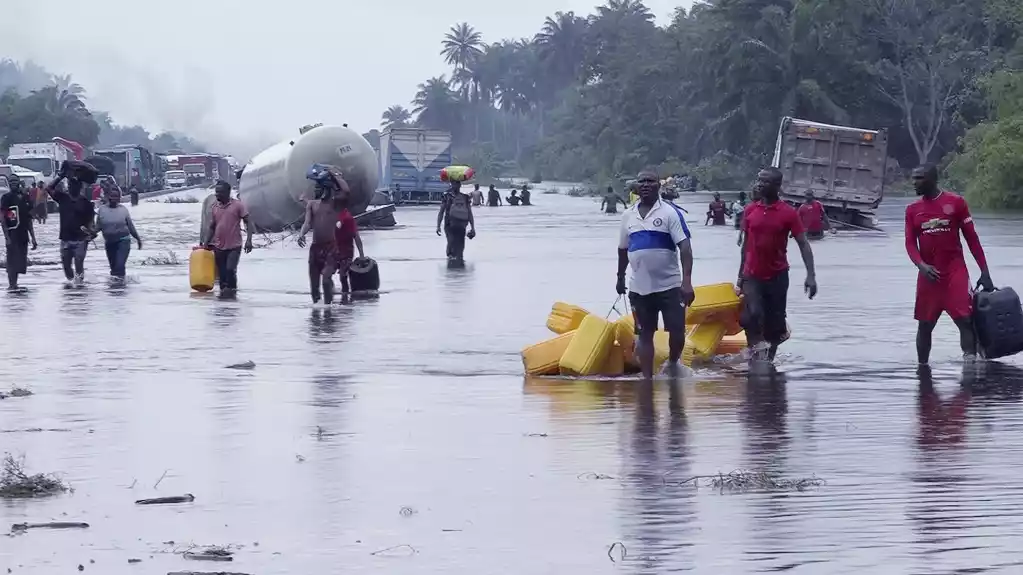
(410, 163)
(844, 167)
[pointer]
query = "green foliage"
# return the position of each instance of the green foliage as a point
(990, 168)
(37, 106)
(590, 98)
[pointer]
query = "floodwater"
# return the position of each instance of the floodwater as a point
(398, 435)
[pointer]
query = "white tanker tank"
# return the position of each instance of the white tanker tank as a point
(274, 187)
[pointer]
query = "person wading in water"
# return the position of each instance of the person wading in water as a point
(815, 220)
(933, 225)
(225, 236)
(611, 201)
(114, 221)
(764, 266)
(18, 231)
(455, 215)
(654, 238)
(477, 196)
(77, 214)
(321, 216)
(346, 236)
(717, 211)
(493, 197)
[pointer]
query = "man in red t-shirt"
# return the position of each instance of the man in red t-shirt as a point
(814, 218)
(933, 225)
(346, 236)
(764, 267)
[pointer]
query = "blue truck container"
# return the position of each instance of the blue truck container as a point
(410, 163)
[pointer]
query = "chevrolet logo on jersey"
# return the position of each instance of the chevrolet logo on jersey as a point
(935, 225)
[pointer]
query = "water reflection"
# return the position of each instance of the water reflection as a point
(657, 517)
(941, 420)
(763, 411)
(323, 325)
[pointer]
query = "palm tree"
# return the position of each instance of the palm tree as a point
(462, 45)
(59, 101)
(560, 46)
(66, 84)
(433, 104)
(395, 117)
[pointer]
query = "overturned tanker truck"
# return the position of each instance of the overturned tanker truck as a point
(274, 188)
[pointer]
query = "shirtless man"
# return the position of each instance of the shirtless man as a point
(321, 217)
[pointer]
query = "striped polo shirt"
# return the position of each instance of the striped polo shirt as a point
(652, 242)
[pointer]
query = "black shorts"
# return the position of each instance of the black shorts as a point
(17, 256)
(668, 304)
(763, 308)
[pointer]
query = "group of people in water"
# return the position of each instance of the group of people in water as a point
(81, 222)
(655, 242)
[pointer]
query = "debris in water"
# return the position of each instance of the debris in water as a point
(536, 435)
(182, 200)
(133, 560)
(17, 527)
(622, 551)
(205, 573)
(168, 258)
(594, 476)
(37, 430)
(299, 458)
(186, 498)
(155, 485)
(407, 512)
(207, 556)
(15, 483)
(742, 480)
(408, 551)
(244, 365)
(16, 392)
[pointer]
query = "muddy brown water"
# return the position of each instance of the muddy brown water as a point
(417, 401)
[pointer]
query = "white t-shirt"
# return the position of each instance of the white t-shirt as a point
(653, 247)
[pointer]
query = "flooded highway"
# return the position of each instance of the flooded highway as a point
(398, 435)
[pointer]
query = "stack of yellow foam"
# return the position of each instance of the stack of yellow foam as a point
(588, 345)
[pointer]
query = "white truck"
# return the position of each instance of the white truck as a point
(42, 157)
(844, 167)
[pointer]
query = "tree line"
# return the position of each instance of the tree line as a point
(36, 106)
(590, 98)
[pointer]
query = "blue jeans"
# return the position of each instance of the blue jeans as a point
(117, 255)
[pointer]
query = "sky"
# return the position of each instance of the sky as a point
(241, 75)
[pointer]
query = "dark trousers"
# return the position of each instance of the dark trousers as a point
(227, 267)
(73, 252)
(455, 232)
(763, 309)
(17, 259)
(117, 256)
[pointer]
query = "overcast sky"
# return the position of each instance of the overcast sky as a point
(241, 74)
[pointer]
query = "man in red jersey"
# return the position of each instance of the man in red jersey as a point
(815, 220)
(933, 225)
(764, 267)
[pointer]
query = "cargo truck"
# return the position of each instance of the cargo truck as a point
(44, 157)
(133, 166)
(843, 166)
(410, 163)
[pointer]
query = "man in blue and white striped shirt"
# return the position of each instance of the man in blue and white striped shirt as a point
(654, 239)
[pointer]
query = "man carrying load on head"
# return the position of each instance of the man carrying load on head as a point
(654, 239)
(456, 215)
